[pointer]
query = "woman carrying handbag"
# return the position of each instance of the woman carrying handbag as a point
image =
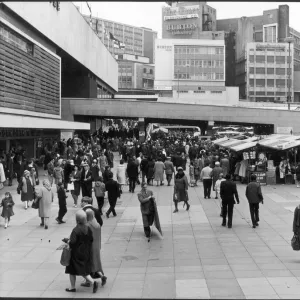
(296, 229)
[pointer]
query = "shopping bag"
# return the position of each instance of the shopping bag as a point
(295, 242)
(71, 186)
(65, 256)
(36, 203)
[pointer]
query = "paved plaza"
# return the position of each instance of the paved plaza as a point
(195, 258)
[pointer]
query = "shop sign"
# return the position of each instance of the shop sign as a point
(284, 130)
(181, 17)
(186, 27)
(261, 177)
(56, 4)
(167, 48)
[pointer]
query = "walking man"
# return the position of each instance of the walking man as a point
(206, 176)
(228, 192)
(169, 169)
(254, 196)
(86, 181)
(113, 191)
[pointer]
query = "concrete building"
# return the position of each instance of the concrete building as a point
(45, 56)
(194, 68)
(138, 40)
(187, 20)
(136, 74)
(262, 74)
(270, 27)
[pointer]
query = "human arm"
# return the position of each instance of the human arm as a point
(144, 200)
(261, 198)
(236, 194)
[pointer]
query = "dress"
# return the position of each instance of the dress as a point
(46, 197)
(7, 204)
(81, 240)
(150, 173)
(121, 174)
(159, 171)
(77, 177)
(27, 190)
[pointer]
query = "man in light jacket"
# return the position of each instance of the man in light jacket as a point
(169, 169)
(206, 176)
(254, 196)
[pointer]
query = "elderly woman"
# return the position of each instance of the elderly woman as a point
(45, 197)
(121, 173)
(159, 168)
(80, 243)
(180, 189)
(296, 222)
(95, 227)
(146, 197)
(26, 188)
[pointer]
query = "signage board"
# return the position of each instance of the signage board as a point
(163, 47)
(261, 177)
(181, 17)
(284, 130)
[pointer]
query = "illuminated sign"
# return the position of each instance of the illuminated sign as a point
(180, 17)
(167, 48)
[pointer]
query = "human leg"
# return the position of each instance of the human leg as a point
(224, 213)
(251, 207)
(42, 221)
(147, 231)
(230, 214)
(209, 184)
(100, 201)
(72, 283)
(176, 207)
(46, 221)
(205, 187)
(6, 223)
(256, 213)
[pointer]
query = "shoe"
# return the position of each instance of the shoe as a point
(107, 216)
(95, 287)
(103, 279)
(63, 221)
(208, 197)
(58, 221)
(188, 206)
(75, 206)
(46, 227)
(26, 208)
(42, 224)
(86, 284)
(71, 290)
(5, 226)
(129, 191)
(216, 198)
(229, 226)
(221, 215)
(223, 224)
(175, 211)
(253, 226)
(115, 215)
(204, 197)
(256, 224)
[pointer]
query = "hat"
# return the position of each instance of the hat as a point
(179, 168)
(217, 163)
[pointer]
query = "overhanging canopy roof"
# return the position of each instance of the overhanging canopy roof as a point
(17, 121)
(281, 142)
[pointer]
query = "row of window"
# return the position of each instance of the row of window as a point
(269, 59)
(277, 71)
(148, 71)
(202, 63)
(15, 39)
(102, 93)
(199, 76)
(198, 50)
(268, 82)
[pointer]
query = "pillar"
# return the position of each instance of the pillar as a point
(142, 130)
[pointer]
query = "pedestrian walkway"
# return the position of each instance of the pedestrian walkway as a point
(195, 258)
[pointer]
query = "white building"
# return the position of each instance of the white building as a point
(193, 69)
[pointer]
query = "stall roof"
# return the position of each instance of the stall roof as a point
(243, 146)
(220, 140)
(280, 142)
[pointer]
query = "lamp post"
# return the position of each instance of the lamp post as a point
(289, 98)
(178, 83)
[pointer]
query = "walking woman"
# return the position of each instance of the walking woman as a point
(150, 173)
(145, 197)
(96, 247)
(75, 178)
(80, 243)
(26, 188)
(296, 222)
(180, 189)
(45, 196)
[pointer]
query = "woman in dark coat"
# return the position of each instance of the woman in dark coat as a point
(80, 243)
(75, 178)
(180, 189)
(150, 173)
(26, 188)
(296, 222)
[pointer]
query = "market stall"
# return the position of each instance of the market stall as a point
(284, 144)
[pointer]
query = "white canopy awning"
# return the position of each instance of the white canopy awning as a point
(280, 142)
(216, 142)
(243, 146)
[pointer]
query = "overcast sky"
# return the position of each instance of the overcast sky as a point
(148, 14)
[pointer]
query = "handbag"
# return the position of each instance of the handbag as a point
(295, 242)
(65, 256)
(36, 203)
(37, 181)
(71, 186)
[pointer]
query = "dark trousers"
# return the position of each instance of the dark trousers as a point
(86, 190)
(147, 231)
(100, 201)
(207, 187)
(112, 205)
(254, 212)
(62, 211)
(169, 178)
(132, 181)
(227, 209)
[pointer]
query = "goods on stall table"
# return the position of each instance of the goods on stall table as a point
(252, 155)
(246, 155)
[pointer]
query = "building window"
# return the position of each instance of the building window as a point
(280, 83)
(15, 39)
(251, 58)
(280, 71)
(270, 59)
(251, 82)
(145, 70)
(260, 58)
(270, 82)
(270, 71)
(260, 71)
(251, 70)
(270, 35)
(151, 71)
(280, 59)
(260, 82)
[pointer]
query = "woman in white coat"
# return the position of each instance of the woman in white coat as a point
(121, 173)
(2, 173)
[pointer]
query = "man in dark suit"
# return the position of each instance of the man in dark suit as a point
(132, 172)
(227, 192)
(86, 181)
(113, 191)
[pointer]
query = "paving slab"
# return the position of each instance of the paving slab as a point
(195, 258)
